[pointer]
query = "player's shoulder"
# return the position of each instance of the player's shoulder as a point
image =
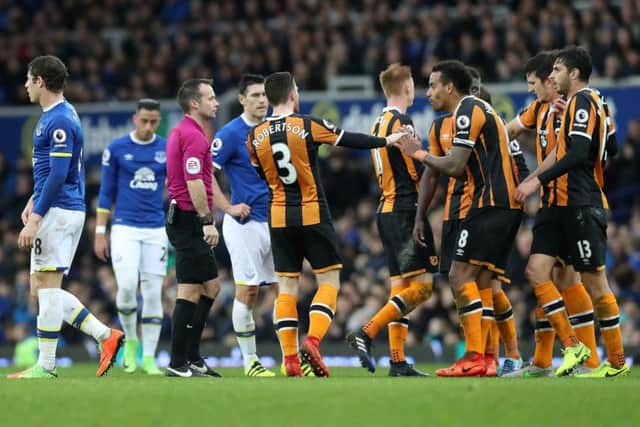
(63, 115)
(584, 95)
(120, 142)
(161, 140)
(403, 118)
(467, 105)
(235, 129)
(441, 120)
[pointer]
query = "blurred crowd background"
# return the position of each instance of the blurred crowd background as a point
(124, 50)
(117, 50)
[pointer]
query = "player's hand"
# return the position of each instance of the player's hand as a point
(418, 232)
(211, 235)
(560, 105)
(396, 136)
(409, 145)
(101, 246)
(241, 210)
(526, 188)
(28, 233)
(26, 212)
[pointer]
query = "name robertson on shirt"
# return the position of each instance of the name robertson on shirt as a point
(277, 128)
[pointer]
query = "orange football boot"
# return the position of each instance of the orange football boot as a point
(310, 351)
(491, 365)
(292, 366)
(470, 365)
(108, 350)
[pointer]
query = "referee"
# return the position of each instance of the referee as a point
(190, 227)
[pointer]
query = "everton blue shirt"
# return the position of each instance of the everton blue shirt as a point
(133, 176)
(229, 149)
(58, 167)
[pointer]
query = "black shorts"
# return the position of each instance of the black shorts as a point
(449, 238)
(195, 262)
(486, 237)
(576, 236)
(317, 243)
(405, 257)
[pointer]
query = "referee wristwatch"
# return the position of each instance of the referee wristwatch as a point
(206, 219)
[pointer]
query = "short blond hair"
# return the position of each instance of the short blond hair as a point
(393, 78)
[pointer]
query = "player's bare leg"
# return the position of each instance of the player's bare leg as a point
(245, 328)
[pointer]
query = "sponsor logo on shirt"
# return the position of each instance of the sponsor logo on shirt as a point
(193, 165)
(144, 179)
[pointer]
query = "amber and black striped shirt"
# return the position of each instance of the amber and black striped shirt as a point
(458, 198)
(490, 170)
(284, 149)
(398, 174)
(586, 116)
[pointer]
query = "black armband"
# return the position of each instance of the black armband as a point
(361, 140)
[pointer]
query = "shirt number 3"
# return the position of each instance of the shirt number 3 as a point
(286, 170)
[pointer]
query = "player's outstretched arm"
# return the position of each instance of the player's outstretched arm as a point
(452, 164)
(545, 165)
(514, 129)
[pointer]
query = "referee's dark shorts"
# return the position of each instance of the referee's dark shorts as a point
(195, 262)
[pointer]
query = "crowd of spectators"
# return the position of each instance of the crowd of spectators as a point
(120, 50)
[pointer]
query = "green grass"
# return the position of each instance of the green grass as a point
(352, 397)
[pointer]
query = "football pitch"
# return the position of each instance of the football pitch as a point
(351, 397)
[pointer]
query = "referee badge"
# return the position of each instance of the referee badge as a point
(193, 165)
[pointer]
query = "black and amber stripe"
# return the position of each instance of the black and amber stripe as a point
(287, 323)
(322, 309)
(399, 303)
(553, 307)
(582, 185)
(487, 313)
(580, 320)
(288, 158)
(398, 174)
(459, 191)
(543, 325)
(609, 322)
(403, 321)
(474, 306)
(490, 167)
(504, 316)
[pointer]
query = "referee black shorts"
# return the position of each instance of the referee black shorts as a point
(195, 262)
